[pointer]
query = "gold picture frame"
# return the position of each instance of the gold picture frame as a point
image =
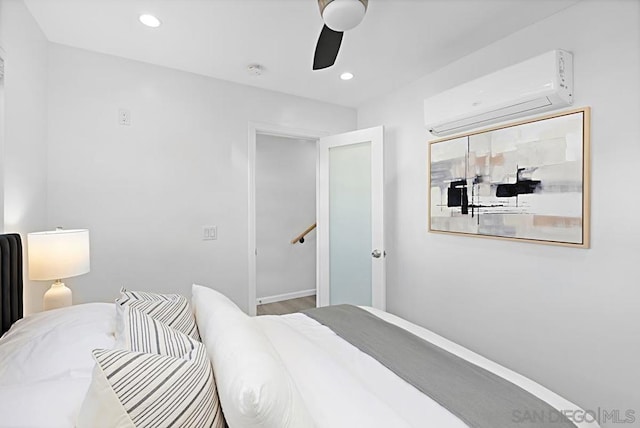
(527, 181)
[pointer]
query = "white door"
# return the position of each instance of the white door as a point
(351, 256)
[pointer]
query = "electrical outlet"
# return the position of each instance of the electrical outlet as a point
(209, 233)
(124, 117)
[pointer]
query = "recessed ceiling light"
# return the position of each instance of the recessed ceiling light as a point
(150, 20)
(346, 76)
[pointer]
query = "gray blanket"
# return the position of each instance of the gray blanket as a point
(478, 397)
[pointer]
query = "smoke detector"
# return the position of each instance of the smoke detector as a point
(255, 69)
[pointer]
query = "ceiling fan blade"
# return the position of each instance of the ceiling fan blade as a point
(327, 48)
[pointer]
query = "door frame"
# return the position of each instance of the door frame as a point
(375, 135)
(276, 130)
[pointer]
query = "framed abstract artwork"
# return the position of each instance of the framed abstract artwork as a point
(526, 181)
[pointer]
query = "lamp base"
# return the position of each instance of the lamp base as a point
(58, 296)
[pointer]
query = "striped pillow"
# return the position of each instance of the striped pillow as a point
(145, 295)
(174, 386)
(172, 309)
(145, 334)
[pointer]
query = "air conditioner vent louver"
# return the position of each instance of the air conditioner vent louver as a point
(492, 116)
(539, 84)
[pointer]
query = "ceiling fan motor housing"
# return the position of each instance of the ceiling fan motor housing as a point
(342, 15)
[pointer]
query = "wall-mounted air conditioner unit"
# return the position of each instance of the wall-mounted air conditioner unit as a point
(536, 85)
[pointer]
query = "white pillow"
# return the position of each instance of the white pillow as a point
(254, 386)
(174, 386)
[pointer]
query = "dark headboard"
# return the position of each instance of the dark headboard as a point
(10, 280)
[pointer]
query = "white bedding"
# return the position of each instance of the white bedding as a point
(46, 364)
(337, 380)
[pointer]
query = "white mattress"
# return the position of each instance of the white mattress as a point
(338, 381)
(46, 364)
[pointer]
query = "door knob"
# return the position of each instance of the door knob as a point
(376, 254)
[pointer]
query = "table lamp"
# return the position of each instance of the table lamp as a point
(55, 255)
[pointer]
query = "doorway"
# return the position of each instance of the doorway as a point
(285, 176)
(264, 131)
(349, 177)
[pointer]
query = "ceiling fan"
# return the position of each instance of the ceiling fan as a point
(338, 16)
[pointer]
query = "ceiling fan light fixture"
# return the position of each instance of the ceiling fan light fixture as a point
(149, 20)
(342, 15)
(339, 16)
(346, 76)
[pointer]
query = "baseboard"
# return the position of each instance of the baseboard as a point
(286, 296)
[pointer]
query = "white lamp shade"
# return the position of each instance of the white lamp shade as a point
(58, 254)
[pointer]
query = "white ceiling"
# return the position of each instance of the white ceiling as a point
(398, 41)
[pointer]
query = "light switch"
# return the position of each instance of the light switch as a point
(124, 117)
(209, 233)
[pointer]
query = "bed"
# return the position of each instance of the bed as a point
(321, 368)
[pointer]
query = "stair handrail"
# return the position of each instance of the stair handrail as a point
(300, 238)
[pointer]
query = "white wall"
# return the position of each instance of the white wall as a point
(2, 55)
(285, 207)
(567, 318)
(145, 191)
(24, 153)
